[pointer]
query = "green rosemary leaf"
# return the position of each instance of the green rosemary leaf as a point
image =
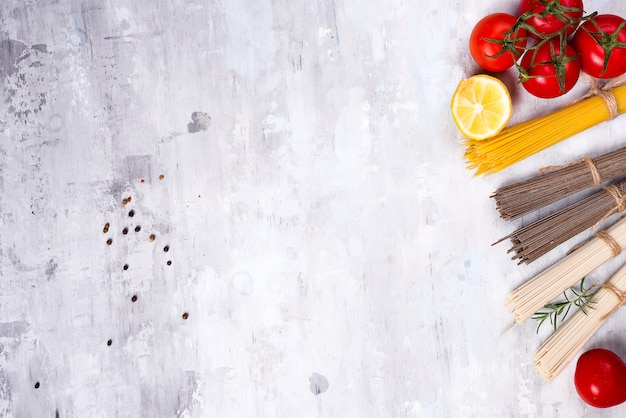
(556, 312)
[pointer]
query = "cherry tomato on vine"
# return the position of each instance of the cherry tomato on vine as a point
(548, 17)
(494, 45)
(549, 70)
(600, 378)
(601, 43)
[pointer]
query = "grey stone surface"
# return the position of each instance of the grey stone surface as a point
(304, 238)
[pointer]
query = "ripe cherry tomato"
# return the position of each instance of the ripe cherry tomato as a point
(548, 17)
(601, 42)
(548, 72)
(493, 46)
(600, 378)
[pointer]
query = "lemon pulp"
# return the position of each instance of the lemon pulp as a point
(481, 106)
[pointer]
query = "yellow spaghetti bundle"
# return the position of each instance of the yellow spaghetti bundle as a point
(519, 141)
(558, 350)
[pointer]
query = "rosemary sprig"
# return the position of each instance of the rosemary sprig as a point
(557, 311)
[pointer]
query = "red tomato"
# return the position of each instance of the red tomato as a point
(549, 17)
(547, 72)
(492, 43)
(601, 42)
(600, 378)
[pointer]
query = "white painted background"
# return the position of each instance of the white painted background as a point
(332, 252)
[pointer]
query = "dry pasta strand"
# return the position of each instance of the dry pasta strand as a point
(558, 350)
(520, 141)
(538, 238)
(521, 198)
(531, 296)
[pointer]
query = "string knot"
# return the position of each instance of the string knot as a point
(616, 249)
(605, 94)
(619, 293)
(620, 205)
(610, 100)
(617, 195)
(595, 173)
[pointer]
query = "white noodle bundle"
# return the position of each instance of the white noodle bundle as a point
(547, 285)
(558, 350)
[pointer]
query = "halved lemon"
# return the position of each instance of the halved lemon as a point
(481, 106)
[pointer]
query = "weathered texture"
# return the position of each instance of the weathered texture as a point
(327, 252)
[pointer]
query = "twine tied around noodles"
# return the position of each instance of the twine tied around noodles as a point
(616, 249)
(620, 294)
(604, 93)
(593, 170)
(614, 191)
(610, 100)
